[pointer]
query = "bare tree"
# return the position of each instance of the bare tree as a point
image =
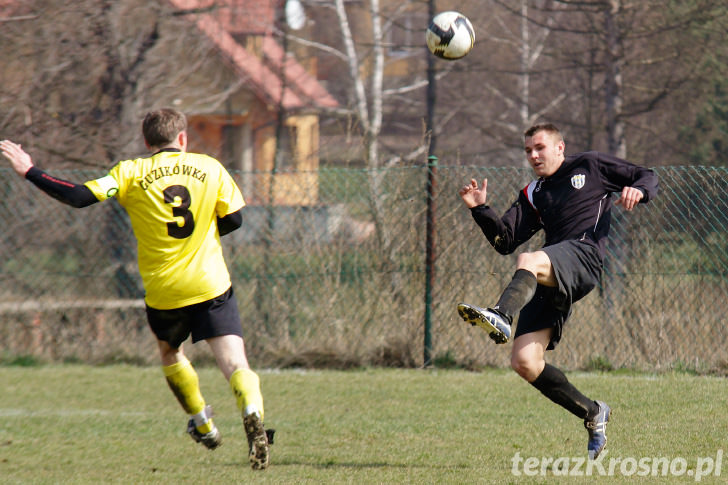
(78, 94)
(359, 48)
(631, 55)
(529, 42)
(613, 73)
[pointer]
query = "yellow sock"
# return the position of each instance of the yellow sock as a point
(185, 385)
(246, 387)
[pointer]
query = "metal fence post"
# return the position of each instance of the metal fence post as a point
(429, 256)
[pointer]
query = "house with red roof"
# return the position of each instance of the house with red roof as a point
(249, 102)
(248, 132)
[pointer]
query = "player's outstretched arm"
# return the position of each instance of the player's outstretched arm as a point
(69, 193)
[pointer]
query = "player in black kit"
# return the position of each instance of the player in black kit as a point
(571, 202)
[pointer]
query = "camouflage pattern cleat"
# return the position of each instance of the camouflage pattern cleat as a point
(211, 440)
(258, 441)
(492, 321)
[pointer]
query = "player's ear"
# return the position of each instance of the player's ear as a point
(182, 139)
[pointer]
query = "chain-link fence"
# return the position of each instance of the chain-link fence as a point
(342, 282)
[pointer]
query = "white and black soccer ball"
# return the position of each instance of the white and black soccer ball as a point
(450, 35)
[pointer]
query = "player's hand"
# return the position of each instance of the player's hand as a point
(19, 159)
(472, 195)
(629, 198)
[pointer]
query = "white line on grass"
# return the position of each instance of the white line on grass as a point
(25, 413)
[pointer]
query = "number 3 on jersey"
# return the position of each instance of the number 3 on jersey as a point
(171, 193)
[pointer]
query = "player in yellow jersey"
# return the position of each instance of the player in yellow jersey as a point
(179, 204)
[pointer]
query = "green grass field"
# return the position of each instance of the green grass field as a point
(121, 424)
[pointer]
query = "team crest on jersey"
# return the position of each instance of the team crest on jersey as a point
(577, 181)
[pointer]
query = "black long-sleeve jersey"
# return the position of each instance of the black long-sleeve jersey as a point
(572, 204)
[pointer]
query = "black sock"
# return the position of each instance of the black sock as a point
(518, 292)
(554, 385)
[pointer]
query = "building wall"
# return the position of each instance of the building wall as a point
(247, 143)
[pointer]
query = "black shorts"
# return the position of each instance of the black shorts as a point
(212, 318)
(577, 267)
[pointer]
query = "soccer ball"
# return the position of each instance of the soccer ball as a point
(450, 35)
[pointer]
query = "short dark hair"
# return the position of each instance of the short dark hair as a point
(548, 127)
(161, 127)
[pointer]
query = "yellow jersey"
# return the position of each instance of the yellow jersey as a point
(173, 200)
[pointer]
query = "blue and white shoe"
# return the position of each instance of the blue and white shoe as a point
(597, 428)
(492, 321)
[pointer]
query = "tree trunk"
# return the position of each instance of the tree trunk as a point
(613, 83)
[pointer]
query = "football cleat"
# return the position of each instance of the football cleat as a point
(211, 440)
(492, 321)
(258, 441)
(597, 428)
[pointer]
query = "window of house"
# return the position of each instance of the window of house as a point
(287, 149)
